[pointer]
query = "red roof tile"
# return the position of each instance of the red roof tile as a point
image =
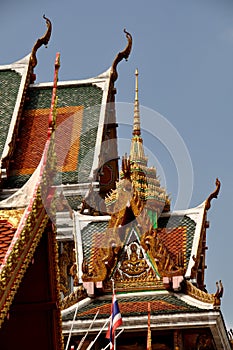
(34, 135)
(138, 307)
(174, 239)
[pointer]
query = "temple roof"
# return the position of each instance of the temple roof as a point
(85, 119)
(167, 309)
(134, 305)
(80, 121)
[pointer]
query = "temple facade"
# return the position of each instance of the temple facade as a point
(73, 226)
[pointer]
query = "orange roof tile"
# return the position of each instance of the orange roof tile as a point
(174, 239)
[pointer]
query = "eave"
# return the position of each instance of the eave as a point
(211, 319)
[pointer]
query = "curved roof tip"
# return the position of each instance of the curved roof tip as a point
(41, 41)
(214, 194)
(122, 54)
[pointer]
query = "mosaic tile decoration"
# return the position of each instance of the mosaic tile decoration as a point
(134, 306)
(78, 113)
(9, 88)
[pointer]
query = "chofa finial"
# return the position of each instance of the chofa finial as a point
(219, 293)
(123, 54)
(41, 41)
(213, 194)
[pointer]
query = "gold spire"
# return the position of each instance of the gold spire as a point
(136, 150)
(136, 125)
(136, 84)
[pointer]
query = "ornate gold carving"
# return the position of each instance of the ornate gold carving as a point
(214, 194)
(147, 280)
(104, 257)
(78, 294)
(135, 270)
(13, 216)
(198, 294)
(134, 263)
(160, 255)
(123, 54)
(41, 41)
(66, 260)
(20, 257)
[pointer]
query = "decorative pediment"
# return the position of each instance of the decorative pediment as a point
(134, 268)
(134, 262)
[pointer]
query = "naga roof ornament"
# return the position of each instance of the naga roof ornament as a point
(122, 54)
(214, 194)
(41, 41)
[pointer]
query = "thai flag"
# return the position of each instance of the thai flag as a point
(115, 321)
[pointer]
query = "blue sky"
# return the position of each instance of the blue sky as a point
(184, 52)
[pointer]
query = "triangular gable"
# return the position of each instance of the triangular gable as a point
(81, 110)
(182, 233)
(134, 265)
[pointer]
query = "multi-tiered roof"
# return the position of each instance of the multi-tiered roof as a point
(153, 255)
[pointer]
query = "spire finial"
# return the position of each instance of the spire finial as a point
(137, 154)
(136, 84)
(136, 124)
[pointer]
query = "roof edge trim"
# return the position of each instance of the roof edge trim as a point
(22, 67)
(99, 79)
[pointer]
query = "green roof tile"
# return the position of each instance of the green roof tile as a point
(86, 96)
(88, 237)
(133, 306)
(9, 87)
(174, 222)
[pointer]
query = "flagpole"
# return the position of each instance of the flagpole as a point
(71, 328)
(113, 292)
(122, 330)
(115, 320)
(149, 330)
(83, 338)
(93, 341)
(113, 286)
